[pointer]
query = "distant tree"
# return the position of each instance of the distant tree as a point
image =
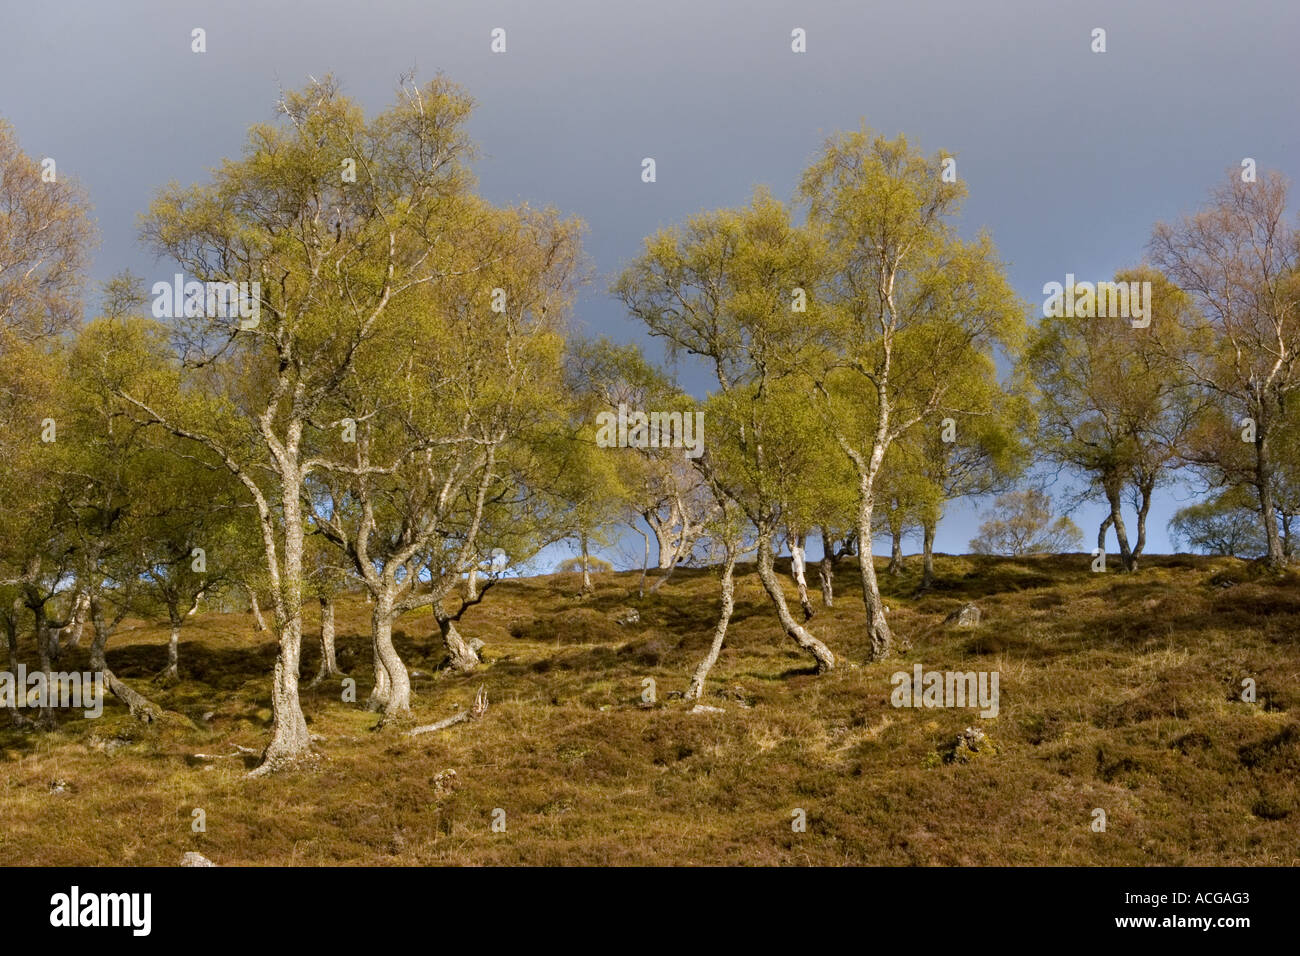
(1112, 405)
(1227, 524)
(1238, 259)
(1021, 523)
(579, 565)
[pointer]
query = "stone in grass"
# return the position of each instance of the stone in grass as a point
(627, 615)
(971, 742)
(706, 709)
(195, 859)
(968, 615)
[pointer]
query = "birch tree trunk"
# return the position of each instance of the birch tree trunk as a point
(772, 585)
(11, 645)
(80, 609)
(927, 555)
(728, 605)
(258, 623)
(460, 655)
(586, 570)
(1117, 521)
(290, 739)
(328, 662)
(896, 554)
(798, 564)
(140, 706)
(882, 638)
(392, 693)
(826, 571)
(172, 671)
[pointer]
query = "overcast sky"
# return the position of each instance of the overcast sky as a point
(1070, 156)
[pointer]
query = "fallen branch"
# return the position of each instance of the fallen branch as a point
(474, 713)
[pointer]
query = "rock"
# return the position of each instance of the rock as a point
(971, 742)
(59, 786)
(195, 859)
(627, 615)
(706, 709)
(968, 615)
(445, 782)
(208, 716)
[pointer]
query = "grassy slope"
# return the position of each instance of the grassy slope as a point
(1116, 692)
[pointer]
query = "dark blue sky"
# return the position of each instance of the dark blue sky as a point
(1070, 156)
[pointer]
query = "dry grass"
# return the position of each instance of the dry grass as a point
(1116, 692)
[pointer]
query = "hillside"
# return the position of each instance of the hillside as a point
(1120, 693)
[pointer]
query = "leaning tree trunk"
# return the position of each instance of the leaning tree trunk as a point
(772, 585)
(798, 562)
(259, 624)
(1101, 533)
(329, 666)
(645, 564)
(826, 571)
(1121, 533)
(471, 584)
(461, 656)
(720, 629)
(927, 555)
(882, 638)
(1144, 509)
(141, 707)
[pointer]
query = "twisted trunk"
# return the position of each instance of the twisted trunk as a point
(392, 692)
(772, 585)
(461, 655)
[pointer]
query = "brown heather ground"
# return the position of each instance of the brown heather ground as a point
(1116, 692)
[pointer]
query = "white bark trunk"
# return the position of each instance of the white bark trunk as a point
(728, 605)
